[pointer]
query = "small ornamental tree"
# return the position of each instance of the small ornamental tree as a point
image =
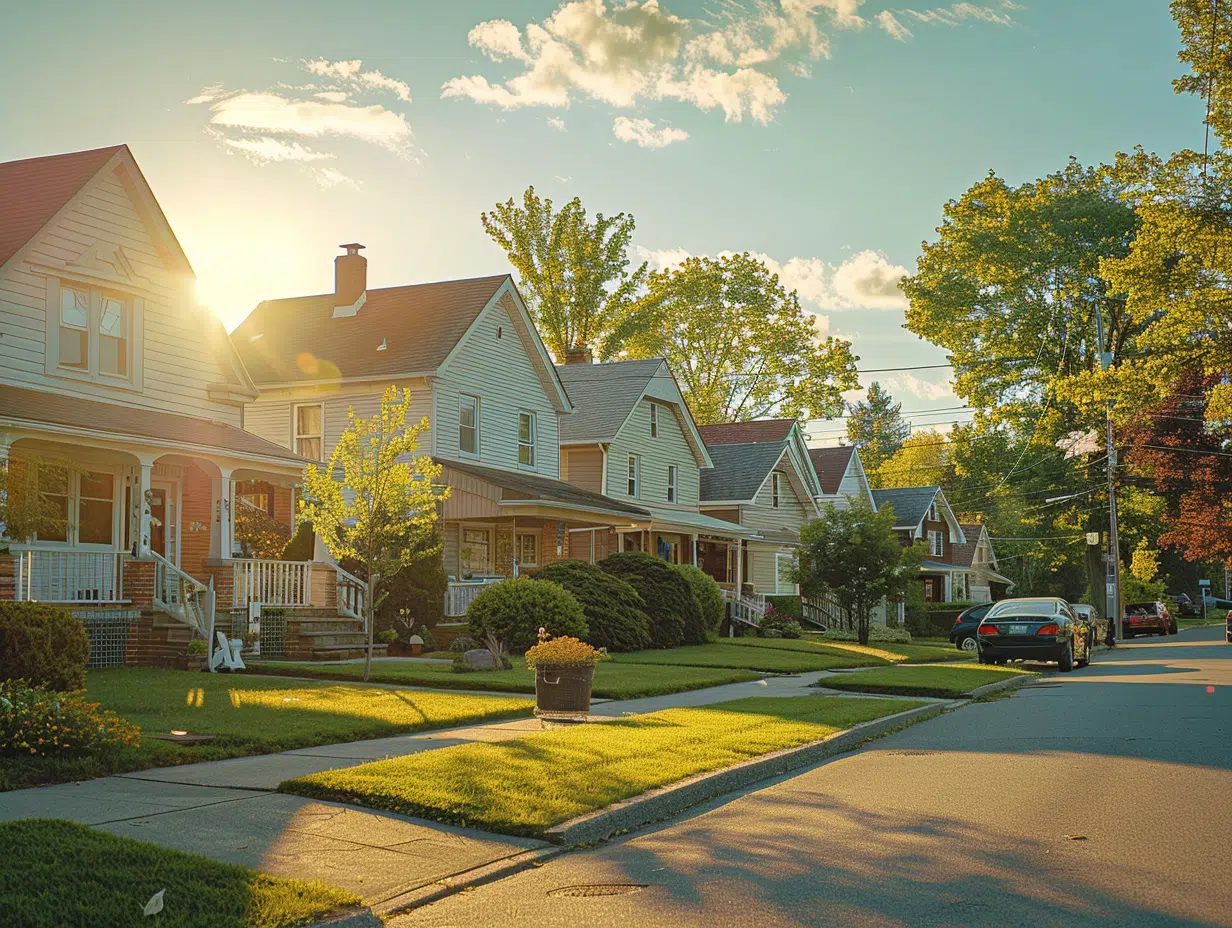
(854, 555)
(383, 496)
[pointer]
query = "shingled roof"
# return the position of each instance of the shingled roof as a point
(33, 190)
(299, 339)
(603, 395)
(910, 503)
(739, 470)
(739, 433)
(520, 486)
(831, 464)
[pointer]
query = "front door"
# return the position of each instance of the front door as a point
(164, 527)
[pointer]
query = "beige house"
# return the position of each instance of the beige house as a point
(477, 371)
(121, 406)
(840, 477)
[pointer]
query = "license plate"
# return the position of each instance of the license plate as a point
(1020, 629)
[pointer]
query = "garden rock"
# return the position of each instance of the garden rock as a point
(480, 658)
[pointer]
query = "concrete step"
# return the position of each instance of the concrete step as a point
(334, 639)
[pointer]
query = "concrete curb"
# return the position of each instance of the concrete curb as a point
(465, 879)
(354, 918)
(999, 685)
(671, 800)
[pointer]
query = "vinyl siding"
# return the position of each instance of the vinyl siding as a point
(582, 467)
(493, 363)
(670, 447)
(762, 567)
(176, 365)
(791, 513)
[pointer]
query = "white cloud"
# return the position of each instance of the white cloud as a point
(333, 96)
(265, 149)
(868, 281)
(736, 92)
(329, 177)
(350, 72)
(557, 123)
(207, 95)
(264, 111)
(957, 13)
(498, 39)
(894, 29)
(645, 133)
(902, 382)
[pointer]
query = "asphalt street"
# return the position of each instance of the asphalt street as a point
(1100, 797)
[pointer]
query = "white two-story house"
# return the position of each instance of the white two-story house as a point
(477, 371)
(121, 405)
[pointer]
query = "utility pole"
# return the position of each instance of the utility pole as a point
(1114, 611)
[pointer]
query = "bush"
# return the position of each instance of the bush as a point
(675, 618)
(387, 636)
(787, 606)
(563, 652)
(615, 613)
(302, 544)
(43, 645)
(463, 643)
(35, 721)
(875, 633)
(708, 596)
(515, 610)
(781, 627)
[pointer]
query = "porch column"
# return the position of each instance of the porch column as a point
(6, 442)
(949, 588)
(694, 550)
(144, 489)
(739, 567)
(222, 539)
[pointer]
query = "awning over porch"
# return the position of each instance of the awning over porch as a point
(72, 415)
(534, 495)
(689, 522)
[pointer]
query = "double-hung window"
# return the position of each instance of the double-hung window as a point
(80, 506)
(527, 428)
(635, 476)
(775, 489)
(92, 333)
(468, 424)
(113, 336)
(528, 549)
(75, 328)
(654, 420)
(936, 544)
(673, 480)
(309, 425)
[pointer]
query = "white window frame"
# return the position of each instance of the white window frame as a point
(776, 489)
(462, 402)
(673, 483)
(933, 515)
(633, 482)
(489, 530)
(133, 310)
(778, 583)
(296, 435)
(517, 549)
(530, 445)
(937, 549)
(72, 531)
(654, 420)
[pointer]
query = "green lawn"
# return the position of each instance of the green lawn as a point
(57, 873)
(926, 651)
(1213, 617)
(249, 715)
(612, 680)
(529, 784)
(948, 680)
(737, 653)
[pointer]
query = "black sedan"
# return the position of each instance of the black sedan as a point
(1042, 629)
(962, 633)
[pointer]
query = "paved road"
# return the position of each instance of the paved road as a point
(955, 822)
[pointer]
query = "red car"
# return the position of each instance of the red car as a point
(1141, 618)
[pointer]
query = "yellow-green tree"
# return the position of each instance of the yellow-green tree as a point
(922, 461)
(374, 496)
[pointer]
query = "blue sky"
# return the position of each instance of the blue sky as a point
(823, 134)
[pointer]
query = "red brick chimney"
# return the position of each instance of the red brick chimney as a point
(578, 354)
(350, 277)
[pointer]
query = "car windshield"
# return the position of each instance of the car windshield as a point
(1141, 608)
(1023, 607)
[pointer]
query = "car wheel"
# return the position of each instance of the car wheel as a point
(969, 644)
(1066, 663)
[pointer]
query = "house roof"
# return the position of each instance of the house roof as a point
(738, 433)
(831, 464)
(298, 339)
(32, 191)
(20, 406)
(521, 486)
(964, 554)
(739, 470)
(910, 503)
(603, 396)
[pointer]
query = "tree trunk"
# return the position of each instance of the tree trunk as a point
(370, 612)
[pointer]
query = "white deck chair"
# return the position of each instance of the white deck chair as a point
(223, 657)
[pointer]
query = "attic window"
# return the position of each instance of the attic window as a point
(932, 512)
(93, 333)
(775, 489)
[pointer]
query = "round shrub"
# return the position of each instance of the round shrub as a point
(43, 645)
(464, 643)
(515, 610)
(37, 722)
(615, 613)
(708, 596)
(675, 618)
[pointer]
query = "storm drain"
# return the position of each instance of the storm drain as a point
(599, 889)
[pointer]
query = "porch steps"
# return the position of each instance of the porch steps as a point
(323, 635)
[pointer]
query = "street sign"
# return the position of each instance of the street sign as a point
(1092, 538)
(1205, 584)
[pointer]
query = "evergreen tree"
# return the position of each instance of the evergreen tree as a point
(875, 426)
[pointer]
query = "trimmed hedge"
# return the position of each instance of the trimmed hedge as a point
(787, 606)
(675, 618)
(708, 595)
(515, 610)
(43, 645)
(615, 613)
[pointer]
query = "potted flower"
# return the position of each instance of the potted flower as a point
(196, 654)
(564, 670)
(252, 642)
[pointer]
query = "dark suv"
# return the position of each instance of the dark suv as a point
(963, 632)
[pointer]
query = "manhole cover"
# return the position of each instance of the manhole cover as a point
(599, 889)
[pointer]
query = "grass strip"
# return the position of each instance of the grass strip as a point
(914, 653)
(729, 654)
(527, 785)
(58, 873)
(950, 680)
(612, 680)
(248, 715)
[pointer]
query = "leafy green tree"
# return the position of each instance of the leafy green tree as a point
(386, 496)
(875, 425)
(739, 343)
(854, 554)
(923, 460)
(573, 273)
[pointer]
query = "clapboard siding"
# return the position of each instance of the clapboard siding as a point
(176, 365)
(670, 447)
(763, 569)
(493, 364)
(271, 421)
(790, 514)
(583, 467)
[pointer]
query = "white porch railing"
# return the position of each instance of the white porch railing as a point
(352, 595)
(460, 593)
(51, 576)
(272, 583)
(823, 610)
(180, 595)
(749, 608)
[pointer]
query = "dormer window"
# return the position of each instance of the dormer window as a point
(93, 333)
(932, 512)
